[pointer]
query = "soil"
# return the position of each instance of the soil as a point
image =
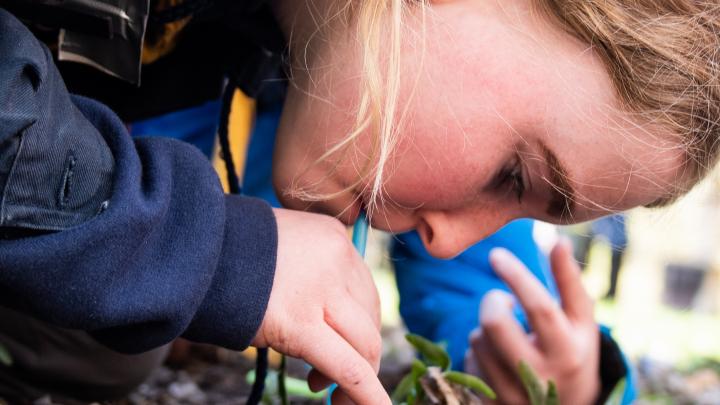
(200, 375)
(209, 375)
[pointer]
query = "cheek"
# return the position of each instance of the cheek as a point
(446, 158)
(434, 175)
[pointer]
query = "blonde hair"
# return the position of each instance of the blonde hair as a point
(662, 56)
(379, 25)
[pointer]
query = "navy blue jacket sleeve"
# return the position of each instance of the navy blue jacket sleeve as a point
(132, 240)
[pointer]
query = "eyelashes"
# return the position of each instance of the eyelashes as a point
(512, 180)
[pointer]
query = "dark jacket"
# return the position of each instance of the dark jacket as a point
(132, 240)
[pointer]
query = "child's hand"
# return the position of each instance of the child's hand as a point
(324, 307)
(565, 342)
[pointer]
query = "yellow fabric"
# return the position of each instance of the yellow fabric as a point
(273, 356)
(166, 43)
(242, 113)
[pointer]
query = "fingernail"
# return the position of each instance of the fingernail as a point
(501, 260)
(566, 243)
(495, 304)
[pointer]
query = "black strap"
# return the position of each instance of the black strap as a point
(261, 362)
(612, 367)
(224, 138)
(261, 367)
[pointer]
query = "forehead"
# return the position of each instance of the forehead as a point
(614, 168)
(531, 80)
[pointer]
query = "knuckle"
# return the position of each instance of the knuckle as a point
(351, 373)
(334, 242)
(543, 370)
(375, 305)
(545, 311)
(377, 319)
(574, 362)
(338, 246)
(374, 349)
(329, 318)
(335, 226)
(277, 338)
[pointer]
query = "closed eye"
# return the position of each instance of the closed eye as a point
(511, 179)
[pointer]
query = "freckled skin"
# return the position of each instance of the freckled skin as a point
(494, 77)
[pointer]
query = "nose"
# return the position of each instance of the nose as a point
(447, 234)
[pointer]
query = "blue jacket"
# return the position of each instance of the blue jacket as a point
(132, 240)
(440, 299)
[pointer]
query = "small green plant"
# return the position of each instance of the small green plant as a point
(5, 358)
(538, 395)
(294, 387)
(431, 378)
(535, 389)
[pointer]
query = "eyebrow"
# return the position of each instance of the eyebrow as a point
(562, 199)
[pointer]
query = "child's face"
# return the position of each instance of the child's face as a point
(502, 97)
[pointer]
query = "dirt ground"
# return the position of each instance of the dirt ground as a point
(221, 381)
(200, 375)
(207, 375)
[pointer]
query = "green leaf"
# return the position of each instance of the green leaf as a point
(418, 369)
(552, 394)
(471, 382)
(407, 384)
(5, 358)
(431, 352)
(412, 397)
(402, 390)
(418, 393)
(299, 388)
(532, 384)
(617, 394)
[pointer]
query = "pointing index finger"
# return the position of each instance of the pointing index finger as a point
(339, 361)
(544, 314)
(575, 300)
